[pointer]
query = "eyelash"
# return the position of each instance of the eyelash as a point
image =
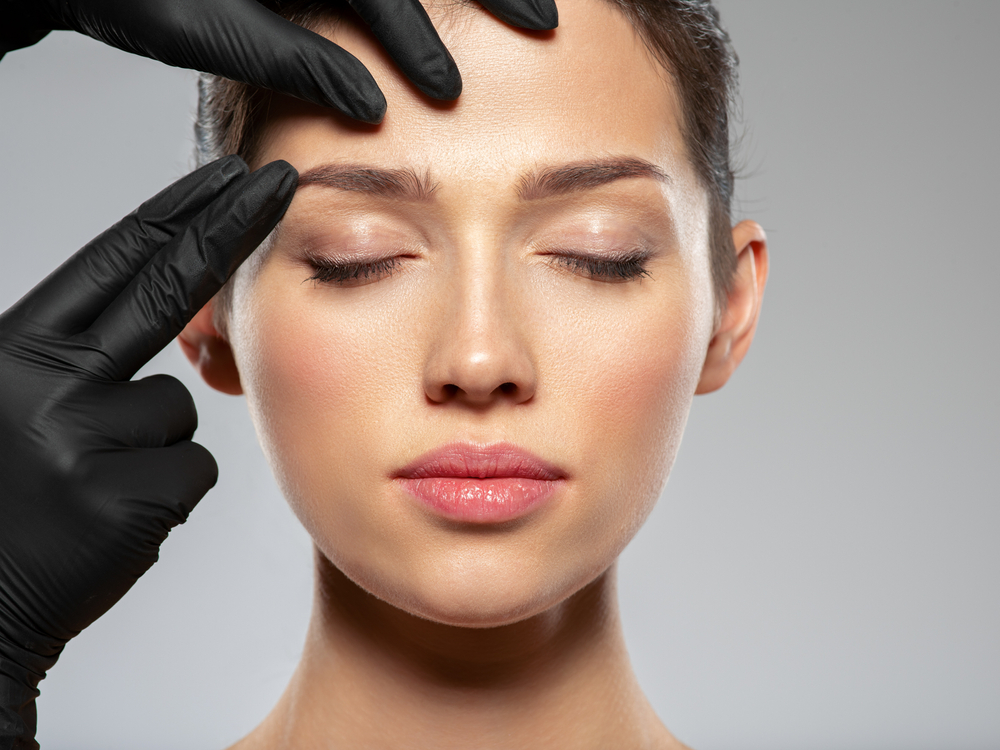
(328, 272)
(619, 270)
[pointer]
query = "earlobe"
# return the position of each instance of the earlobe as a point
(209, 351)
(735, 332)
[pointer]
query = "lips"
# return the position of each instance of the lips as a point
(480, 484)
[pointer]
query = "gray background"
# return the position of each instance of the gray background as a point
(823, 569)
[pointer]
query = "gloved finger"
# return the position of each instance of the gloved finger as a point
(151, 490)
(244, 41)
(190, 269)
(149, 413)
(93, 550)
(406, 32)
(539, 15)
(72, 296)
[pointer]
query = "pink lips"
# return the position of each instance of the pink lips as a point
(480, 484)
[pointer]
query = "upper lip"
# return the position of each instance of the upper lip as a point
(468, 460)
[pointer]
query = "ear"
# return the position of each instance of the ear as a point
(739, 321)
(209, 352)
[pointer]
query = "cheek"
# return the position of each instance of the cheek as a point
(317, 378)
(625, 376)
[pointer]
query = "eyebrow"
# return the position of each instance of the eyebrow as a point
(406, 184)
(402, 184)
(586, 175)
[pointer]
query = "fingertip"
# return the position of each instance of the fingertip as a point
(535, 15)
(446, 87)
(204, 469)
(281, 180)
(178, 419)
(366, 104)
(184, 474)
(408, 36)
(547, 16)
(277, 178)
(371, 110)
(342, 82)
(437, 75)
(281, 170)
(290, 180)
(212, 474)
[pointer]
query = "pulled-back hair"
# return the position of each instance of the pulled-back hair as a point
(684, 36)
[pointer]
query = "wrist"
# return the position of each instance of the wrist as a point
(18, 715)
(20, 673)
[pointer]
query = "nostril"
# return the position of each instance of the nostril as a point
(508, 388)
(450, 390)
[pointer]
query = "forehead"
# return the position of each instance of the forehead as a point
(589, 89)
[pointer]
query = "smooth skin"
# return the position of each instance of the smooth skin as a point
(428, 633)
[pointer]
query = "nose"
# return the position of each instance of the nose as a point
(479, 354)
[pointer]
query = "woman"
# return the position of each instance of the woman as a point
(469, 350)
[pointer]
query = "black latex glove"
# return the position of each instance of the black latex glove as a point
(96, 469)
(244, 41)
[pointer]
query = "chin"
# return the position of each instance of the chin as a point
(480, 606)
(472, 593)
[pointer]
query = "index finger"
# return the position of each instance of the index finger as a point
(73, 295)
(405, 30)
(186, 274)
(244, 41)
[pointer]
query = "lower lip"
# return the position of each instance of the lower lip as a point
(491, 500)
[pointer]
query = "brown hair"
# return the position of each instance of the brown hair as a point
(684, 36)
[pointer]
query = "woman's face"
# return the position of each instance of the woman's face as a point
(527, 267)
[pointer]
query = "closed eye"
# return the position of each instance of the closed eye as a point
(614, 270)
(327, 271)
(627, 267)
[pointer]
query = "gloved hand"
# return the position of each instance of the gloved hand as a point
(245, 41)
(96, 469)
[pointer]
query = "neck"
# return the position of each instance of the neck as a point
(373, 675)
